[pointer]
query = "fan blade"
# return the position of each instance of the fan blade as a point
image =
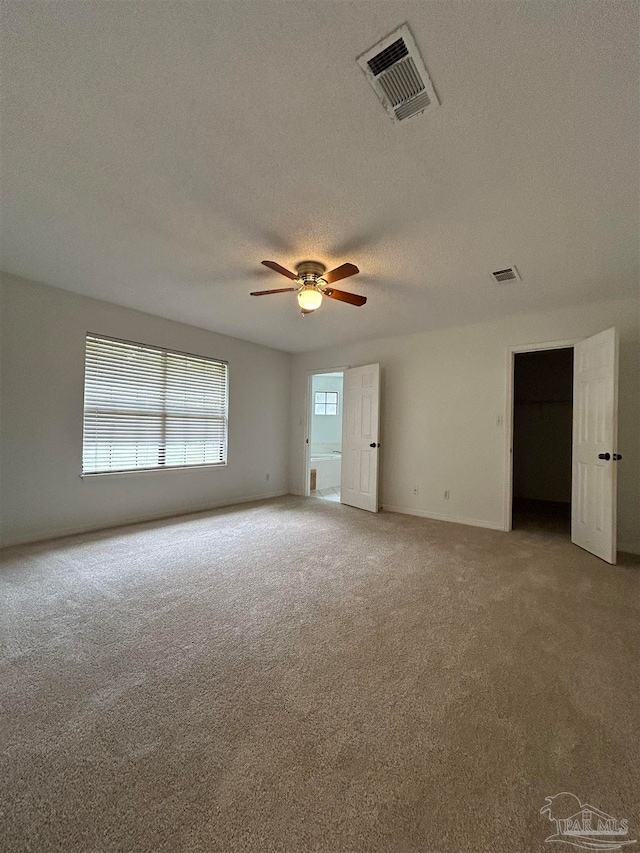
(343, 271)
(343, 296)
(277, 268)
(280, 290)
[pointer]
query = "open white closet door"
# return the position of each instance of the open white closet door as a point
(360, 437)
(595, 433)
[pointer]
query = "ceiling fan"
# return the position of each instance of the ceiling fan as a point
(313, 283)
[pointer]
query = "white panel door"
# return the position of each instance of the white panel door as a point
(360, 437)
(595, 432)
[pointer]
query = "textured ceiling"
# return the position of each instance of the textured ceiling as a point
(155, 153)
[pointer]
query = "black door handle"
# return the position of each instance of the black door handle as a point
(606, 456)
(617, 456)
(373, 444)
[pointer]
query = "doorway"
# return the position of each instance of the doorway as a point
(593, 452)
(343, 436)
(325, 436)
(543, 440)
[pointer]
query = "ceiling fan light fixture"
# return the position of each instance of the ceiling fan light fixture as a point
(309, 298)
(314, 282)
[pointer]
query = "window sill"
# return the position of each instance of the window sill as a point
(100, 474)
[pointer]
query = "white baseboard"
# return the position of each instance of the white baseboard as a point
(59, 533)
(626, 547)
(472, 522)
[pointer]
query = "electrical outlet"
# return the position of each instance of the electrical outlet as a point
(447, 495)
(266, 476)
(416, 490)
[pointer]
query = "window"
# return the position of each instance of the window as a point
(326, 403)
(147, 408)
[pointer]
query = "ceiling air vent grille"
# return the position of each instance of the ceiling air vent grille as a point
(398, 76)
(386, 58)
(507, 274)
(415, 105)
(402, 82)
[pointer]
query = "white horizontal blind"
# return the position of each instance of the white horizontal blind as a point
(146, 407)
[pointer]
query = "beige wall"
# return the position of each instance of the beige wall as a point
(443, 393)
(42, 493)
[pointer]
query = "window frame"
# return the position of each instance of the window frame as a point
(325, 404)
(124, 472)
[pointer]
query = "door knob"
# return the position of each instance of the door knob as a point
(617, 456)
(373, 444)
(606, 456)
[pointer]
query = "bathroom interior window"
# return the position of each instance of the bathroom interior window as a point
(326, 403)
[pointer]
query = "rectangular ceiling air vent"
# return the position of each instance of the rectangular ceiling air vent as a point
(507, 274)
(395, 70)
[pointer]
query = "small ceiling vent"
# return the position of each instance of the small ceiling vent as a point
(505, 275)
(395, 70)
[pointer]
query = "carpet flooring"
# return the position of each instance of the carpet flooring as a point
(302, 677)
